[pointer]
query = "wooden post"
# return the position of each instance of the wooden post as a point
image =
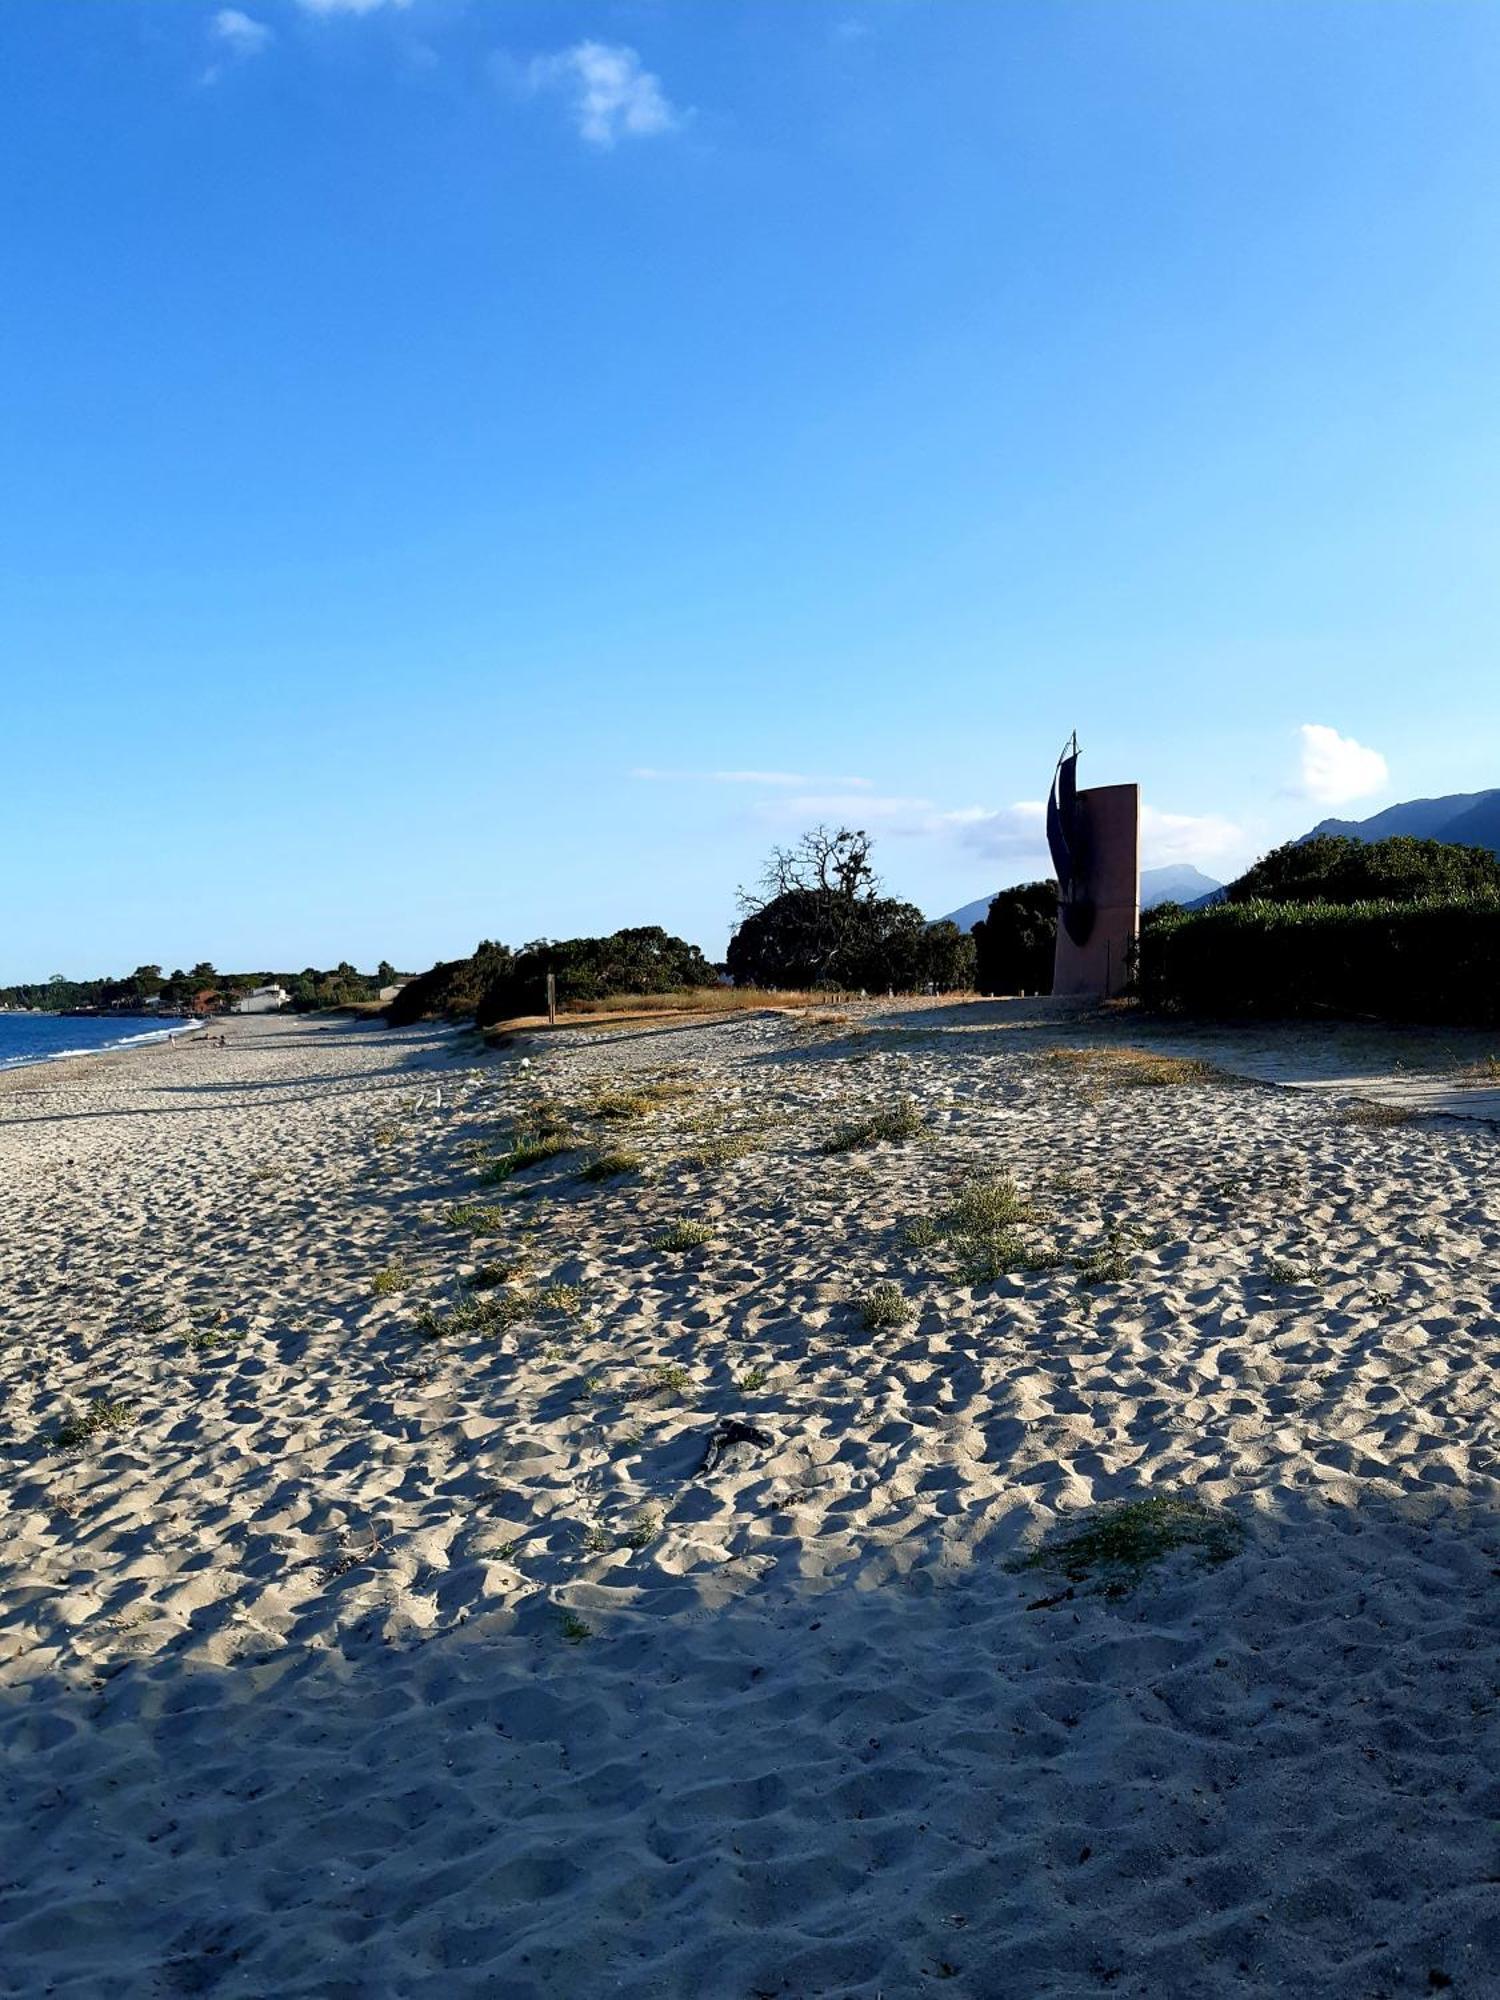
(552, 999)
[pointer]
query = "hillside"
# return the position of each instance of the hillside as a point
(1464, 819)
(1181, 883)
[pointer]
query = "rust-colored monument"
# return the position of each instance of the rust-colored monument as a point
(1095, 838)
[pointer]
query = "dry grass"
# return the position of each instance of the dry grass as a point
(892, 1125)
(709, 1002)
(620, 1106)
(1129, 1068)
(609, 1166)
(720, 1151)
(696, 1000)
(1377, 1115)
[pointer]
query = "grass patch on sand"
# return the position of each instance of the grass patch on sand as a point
(478, 1217)
(1002, 1253)
(892, 1125)
(498, 1272)
(98, 1418)
(1118, 1545)
(981, 1228)
(1284, 1271)
(1362, 1112)
(885, 1305)
(495, 1311)
(529, 1150)
(609, 1166)
(394, 1278)
(684, 1234)
(720, 1151)
(625, 1106)
(1107, 1263)
(1132, 1069)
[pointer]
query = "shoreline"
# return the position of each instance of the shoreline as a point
(151, 1038)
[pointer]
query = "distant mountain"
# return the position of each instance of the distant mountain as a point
(1463, 819)
(1180, 883)
(969, 915)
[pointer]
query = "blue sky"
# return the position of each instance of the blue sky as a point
(420, 421)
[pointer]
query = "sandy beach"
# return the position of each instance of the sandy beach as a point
(366, 1629)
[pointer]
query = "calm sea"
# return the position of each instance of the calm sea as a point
(29, 1038)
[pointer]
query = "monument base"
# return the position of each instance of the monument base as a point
(1109, 822)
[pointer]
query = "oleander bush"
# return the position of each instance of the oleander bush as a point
(1437, 960)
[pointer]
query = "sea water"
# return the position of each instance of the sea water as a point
(30, 1038)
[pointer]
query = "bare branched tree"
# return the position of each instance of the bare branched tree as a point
(836, 863)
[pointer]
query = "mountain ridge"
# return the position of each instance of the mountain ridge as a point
(1179, 882)
(1461, 819)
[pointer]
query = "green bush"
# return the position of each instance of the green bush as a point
(1333, 868)
(1016, 943)
(642, 960)
(451, 989)
(1435, 960)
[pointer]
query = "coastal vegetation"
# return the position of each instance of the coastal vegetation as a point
(817, 924)
(1434, 960)
(202, 989)
(1332, 868)
(496, 984)
(817, 919)
(1400, 929)
(1015, 943)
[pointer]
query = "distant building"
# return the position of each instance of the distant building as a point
(262, 1000)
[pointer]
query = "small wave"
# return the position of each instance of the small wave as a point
(28, 1058)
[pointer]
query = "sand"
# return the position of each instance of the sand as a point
(369, 1655)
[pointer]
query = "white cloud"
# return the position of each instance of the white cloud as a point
(1199, 838)
(765, 778)
(239, 33)
(611, 96)
(238, 37)
(1010, 831)
(348, 6)
(1019, 833)
(1336, 769)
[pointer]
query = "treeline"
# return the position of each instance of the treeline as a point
(1401, 930)
(496, 983)
(819, 921)
(202, 989)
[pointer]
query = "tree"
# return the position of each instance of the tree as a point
(1015, 943)
(822, 923)
(643, 959)
(385, 972)
(1332, 868)
(453, 988)
(831, 864)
